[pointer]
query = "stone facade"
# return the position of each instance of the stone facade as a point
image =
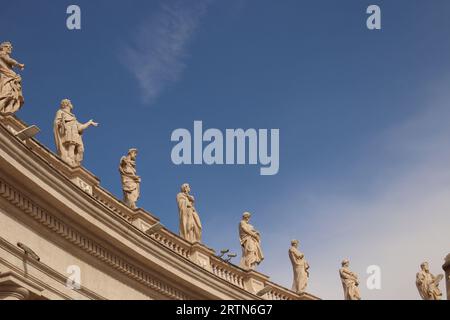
(65, 218)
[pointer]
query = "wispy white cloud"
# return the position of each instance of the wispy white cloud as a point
(158, 54)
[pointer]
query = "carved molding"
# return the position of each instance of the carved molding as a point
(13, 292)
(227, 272)
(45, 269)
(17, 199)
(103, 200)
(171, 244)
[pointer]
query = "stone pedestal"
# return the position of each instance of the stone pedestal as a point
(141, 219)
(254, 281)
(12, 123)
(81, 177)
(200, 254)
(446, 268)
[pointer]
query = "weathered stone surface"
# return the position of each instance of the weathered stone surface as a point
(68, 134)
(428, 284)
(300, 267)
(350, 282)
(130, 180)
(250, 239)
(11, 97)
(190, 225)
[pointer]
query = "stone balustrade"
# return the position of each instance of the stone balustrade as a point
(177, 246)
(227, 271)
(279, 293)
(251, 281)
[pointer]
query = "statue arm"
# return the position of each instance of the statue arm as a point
(124, 170)
(296, 254)
(122, 165)
(13, 62)
(354, 276)
(84, 126)
(349, 275)
(182, 204)
(344, 274)
(420, 279)
(247, 228)
(256, 234)
(59, 123)
(422, 286)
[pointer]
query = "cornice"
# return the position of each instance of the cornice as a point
(127, 231)
(56, 225)
(45, 269)
(95, 204)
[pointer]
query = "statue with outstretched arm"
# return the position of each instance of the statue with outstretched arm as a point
(68, 134)
(349, 281)
(11, 97)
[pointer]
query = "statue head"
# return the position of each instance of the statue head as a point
(186, 188)
(6, 47)
(424, 266)
(66, 104)
(295, 243)
(133, 153)
(246, 216)
(345, 263)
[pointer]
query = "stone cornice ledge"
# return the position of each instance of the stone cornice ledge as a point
(79, 205)
(39, 285)
(90, 202)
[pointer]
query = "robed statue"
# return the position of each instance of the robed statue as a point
(11, 97)
(68, 134)
(250, 239)
(300, 267)
(428, 284)
(130, 180)
(350, 282)
(190, 225)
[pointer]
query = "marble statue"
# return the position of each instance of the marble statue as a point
(11, 98)
(68, 134)
(190, 225)
(350, 282)
(428, 284)
(250, 238)
(300, 267)
(130, 180)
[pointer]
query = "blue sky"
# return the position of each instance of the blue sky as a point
(363, 118)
